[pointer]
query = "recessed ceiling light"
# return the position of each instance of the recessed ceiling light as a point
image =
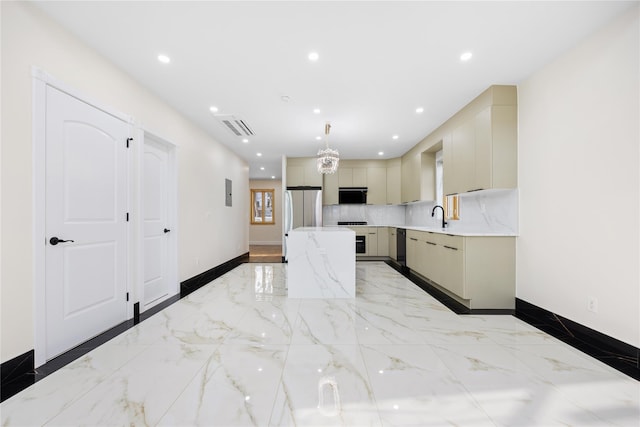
(316, 111)
(273, 177)
(380, 153)
(466, 56)
(245, 140)
(318, 138)
(164, 59)
(419, 110)
(313, 56)
(213, 109)
(395, 137)
(285, 98)
(259, 154)
(261, 168)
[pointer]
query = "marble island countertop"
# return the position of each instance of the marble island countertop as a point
(464, 232)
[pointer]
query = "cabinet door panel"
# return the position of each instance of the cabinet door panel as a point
(372, 243)
(360, 177)
(311, 175)
(393, 244)
(383, 241)
(464, 157)
(295, 176)
(330, 189)
(345, 177)
(412, 252)
(377, 184)
(483, 149)
(453, 274)
(504, 124)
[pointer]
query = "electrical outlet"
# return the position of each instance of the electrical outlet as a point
(592, 304)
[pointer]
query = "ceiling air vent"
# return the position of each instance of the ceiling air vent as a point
(236, 125)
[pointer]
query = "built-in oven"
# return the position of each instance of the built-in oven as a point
(361, 244)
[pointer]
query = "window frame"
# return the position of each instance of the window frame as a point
(253, 211)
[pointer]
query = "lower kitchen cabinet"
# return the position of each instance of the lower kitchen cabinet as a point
(383, 241)
(372, 241)
(413, 259)
(478, 271)
(393, 243)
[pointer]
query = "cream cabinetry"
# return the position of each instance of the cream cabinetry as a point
(383, 241)
(482, 152)
(373, 174)
(413, 248)
(394, 180)
(330, 189)
(352, 177)
(302, 171)
(393, 243)
(372, 241)
(377, 184)
(478, 271)
(410, 178)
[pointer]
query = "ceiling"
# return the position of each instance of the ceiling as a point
(378, 62)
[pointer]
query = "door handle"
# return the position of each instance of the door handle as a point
(166, 230)
(54, 241)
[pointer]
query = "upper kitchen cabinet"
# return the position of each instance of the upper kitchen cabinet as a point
(480, 151)
(352, 176)
(330, 189)
(360, 173)
(496, 147)
(394, 179)
(377, 184)
(410, 185)
(303, 171)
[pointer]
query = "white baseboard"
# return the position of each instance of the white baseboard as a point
(263, 243)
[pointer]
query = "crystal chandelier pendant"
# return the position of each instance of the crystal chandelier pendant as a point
(328, 158)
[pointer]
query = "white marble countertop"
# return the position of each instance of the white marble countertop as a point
(328, 228)
(450, 231)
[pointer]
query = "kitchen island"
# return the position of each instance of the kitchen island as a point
(321, 262)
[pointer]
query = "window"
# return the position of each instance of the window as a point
(262, 206)
(439, 178)
(451, 204)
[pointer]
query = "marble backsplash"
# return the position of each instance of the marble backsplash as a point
(480, 211)
(372, 214)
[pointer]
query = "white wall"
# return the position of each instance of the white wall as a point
(579, 141)
(267, 234)
(209, 232)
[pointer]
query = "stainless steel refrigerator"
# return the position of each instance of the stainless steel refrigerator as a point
(302, 208)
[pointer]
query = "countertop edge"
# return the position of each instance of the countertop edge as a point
(435, 230)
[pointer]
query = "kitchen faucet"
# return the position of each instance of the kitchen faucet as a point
(433, 213)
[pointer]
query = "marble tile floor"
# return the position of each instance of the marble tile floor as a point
(238, 352)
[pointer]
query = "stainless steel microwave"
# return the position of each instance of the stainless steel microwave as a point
(352, 195)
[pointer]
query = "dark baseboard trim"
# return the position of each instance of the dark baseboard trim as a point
(615, 353)
(202, 279)
(19, 365)
(20, 372)
(441, 296)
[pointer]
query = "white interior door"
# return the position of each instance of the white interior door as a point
(156, 224)
(86, 200)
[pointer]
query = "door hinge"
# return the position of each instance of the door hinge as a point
(127, 216)
(127, 296)
(129, 140)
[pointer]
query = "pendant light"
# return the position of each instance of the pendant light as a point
(328, 158)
